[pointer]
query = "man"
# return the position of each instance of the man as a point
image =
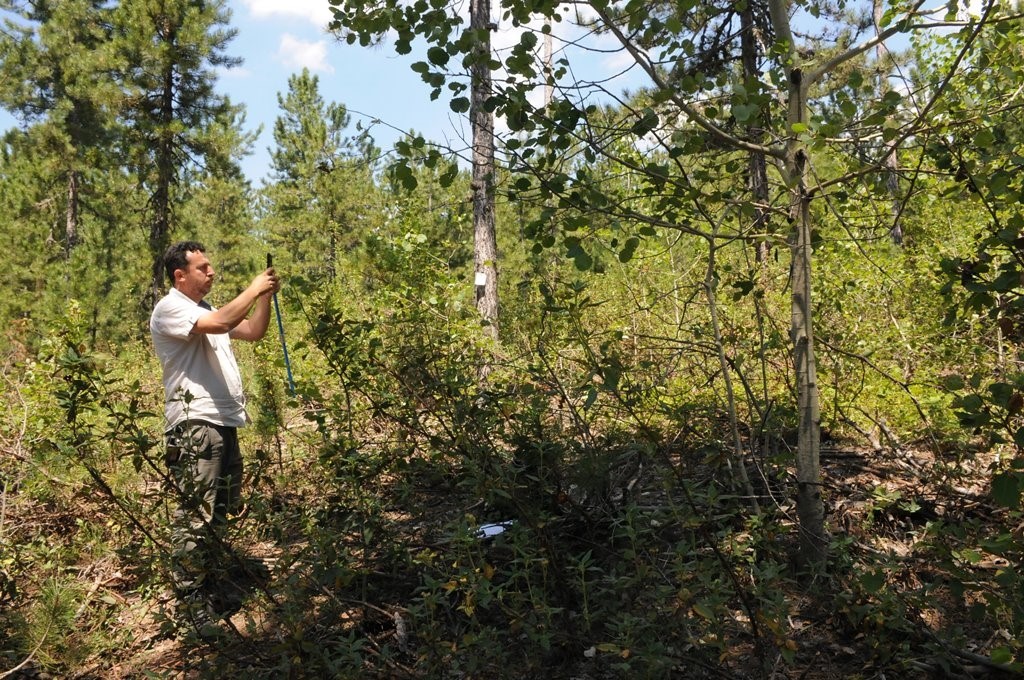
(203, 401)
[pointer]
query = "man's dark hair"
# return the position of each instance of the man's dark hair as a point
(176, 257)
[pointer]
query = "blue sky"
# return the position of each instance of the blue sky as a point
(278, 38)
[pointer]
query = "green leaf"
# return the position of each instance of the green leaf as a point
(583, 261)
(1001, 393)
(953, 383)
(984, 138)
(873, 581)
(1006, 488)
(968, 555)
(998, 183)
(892, 98)
(1001, 655)
(744, 112)
(971, 403)
(647, 122)
(405, 175)
(628, 249)
(448, 176)
(460, 104)
(743, 288)
(704, 611)
(437, 56)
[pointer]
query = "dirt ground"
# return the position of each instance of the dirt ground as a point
(879, 502)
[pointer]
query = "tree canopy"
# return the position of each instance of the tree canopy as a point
(756, 400)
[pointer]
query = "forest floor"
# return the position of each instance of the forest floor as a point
(879, 503)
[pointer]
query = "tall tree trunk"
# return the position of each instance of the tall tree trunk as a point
(892, 166)
(485, 242)
(160, 229)
(71, 216)
(757, 172)
(332, 253)
(549, 75)
(809, 504)
(159, 234)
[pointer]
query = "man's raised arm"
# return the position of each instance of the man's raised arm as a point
(231, 318)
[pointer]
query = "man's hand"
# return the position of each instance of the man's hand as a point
(266, 284)
(231, 318)
(262, 287)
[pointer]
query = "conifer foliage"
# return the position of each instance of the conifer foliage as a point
(732, 426)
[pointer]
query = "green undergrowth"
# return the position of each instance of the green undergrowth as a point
(626, 550)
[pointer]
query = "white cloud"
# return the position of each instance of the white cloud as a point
(317, 12)
(972, 11)
(299, 54)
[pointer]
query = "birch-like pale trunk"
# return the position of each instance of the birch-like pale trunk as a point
(793, 163)
(809, 504)
(485, 242)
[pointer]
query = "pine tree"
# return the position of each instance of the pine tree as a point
(171, 108)
(322, 190)
(57, 75)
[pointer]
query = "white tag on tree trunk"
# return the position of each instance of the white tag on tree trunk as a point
(481, 278)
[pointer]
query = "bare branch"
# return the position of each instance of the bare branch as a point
(694, 115)
(830, 65)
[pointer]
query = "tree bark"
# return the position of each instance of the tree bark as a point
(757, 172)
(71, 237)
(809, 504)
(160, 227)
(892, 165)
(485, 243)
(159, 234)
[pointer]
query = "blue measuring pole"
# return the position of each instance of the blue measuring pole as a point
(280, 332)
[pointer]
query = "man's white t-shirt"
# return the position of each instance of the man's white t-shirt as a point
(200, 365)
